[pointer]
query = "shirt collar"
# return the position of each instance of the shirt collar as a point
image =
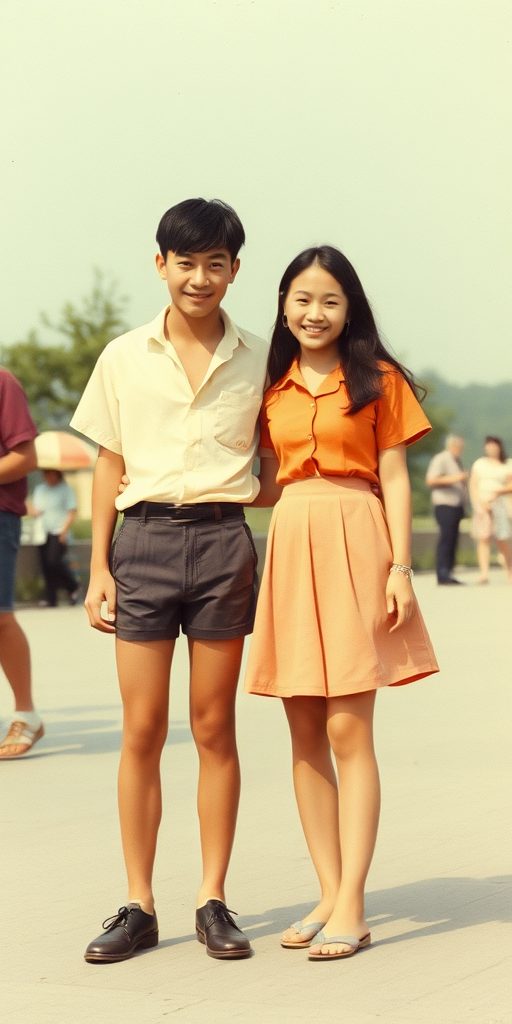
(156, 335)
(294, 376)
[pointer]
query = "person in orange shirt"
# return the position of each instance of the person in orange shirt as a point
(337, 617)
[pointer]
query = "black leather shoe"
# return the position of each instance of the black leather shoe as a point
(128, 930)
(217, 930)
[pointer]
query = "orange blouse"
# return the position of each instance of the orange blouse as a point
(313, 435)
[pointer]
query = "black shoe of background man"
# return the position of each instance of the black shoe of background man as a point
(217, 930)
(126, 932)
(450, 582)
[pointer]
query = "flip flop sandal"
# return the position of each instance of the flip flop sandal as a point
(307, 932)
(347, 940)
(20, 736)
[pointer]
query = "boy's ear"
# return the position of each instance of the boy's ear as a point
(234, 270)
(160, 265)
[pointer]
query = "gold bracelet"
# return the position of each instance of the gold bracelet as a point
(404, 569)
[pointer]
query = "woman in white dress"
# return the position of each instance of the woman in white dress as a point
(489, 483)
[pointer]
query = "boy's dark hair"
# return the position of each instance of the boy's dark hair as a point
(197, 225)
(360, 346)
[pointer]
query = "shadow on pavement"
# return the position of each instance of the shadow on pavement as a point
(102, 735)
(439, 904)
(460, 902)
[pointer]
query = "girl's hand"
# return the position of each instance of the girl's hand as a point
(399, 599)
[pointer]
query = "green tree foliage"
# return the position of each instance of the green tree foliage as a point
(479, 409)
(54, 373)
(419, 454)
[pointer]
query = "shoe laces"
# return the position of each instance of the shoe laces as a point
(120, 918)
(220, 912)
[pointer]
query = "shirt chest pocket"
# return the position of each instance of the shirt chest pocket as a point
(235, 421)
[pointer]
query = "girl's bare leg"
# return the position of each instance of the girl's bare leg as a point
(144, 670)
(483, 554)
(506, 551)
(316, 791)
(350, 731)
(214, 671)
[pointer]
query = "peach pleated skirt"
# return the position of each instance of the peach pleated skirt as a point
(322, 627)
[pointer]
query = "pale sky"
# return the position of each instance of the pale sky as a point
(379, 126)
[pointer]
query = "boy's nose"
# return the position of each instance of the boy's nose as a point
(199, 277)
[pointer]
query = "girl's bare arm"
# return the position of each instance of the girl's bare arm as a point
(396, 493)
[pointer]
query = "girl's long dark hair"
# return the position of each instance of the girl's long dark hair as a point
(359, 343)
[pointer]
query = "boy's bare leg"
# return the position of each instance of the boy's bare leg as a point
(144, 670)
(214, 671)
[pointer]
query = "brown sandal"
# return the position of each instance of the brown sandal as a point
(19, 740)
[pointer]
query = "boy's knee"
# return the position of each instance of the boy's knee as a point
(145, 739)
(214, 733)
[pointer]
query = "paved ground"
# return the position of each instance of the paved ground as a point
(438, 894)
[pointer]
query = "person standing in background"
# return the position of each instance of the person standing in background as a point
(17, 458)
(489, 484)
(54, 505)
(447, 479)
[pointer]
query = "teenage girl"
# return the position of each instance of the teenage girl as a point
(336, 617)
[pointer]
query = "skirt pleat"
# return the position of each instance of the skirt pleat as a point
(322, 627)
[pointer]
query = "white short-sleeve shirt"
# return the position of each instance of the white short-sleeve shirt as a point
(177, 446)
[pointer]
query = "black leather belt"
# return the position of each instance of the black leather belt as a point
(184, 513)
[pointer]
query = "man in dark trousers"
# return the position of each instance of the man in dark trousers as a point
(447, 479)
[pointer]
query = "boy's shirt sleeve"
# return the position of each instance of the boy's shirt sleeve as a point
(400, 418)
(97, 414)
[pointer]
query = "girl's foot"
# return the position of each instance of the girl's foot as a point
(335, 927)
(298, 935)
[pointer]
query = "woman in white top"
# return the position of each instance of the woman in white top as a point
(489, 482)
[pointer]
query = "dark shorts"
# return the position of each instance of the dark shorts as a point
(200, 576)
(10, 529)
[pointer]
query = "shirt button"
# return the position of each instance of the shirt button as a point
(310, 437)
(239, 444)
(312, 405)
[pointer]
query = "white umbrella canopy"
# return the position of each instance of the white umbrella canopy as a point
(57, 449)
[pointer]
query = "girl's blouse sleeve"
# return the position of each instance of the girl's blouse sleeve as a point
(400, 418)
(266, 448)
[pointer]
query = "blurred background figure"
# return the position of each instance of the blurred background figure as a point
(53, 505)
(17, 458)
(447, 479)
(489, 483)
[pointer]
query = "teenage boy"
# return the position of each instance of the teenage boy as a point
(174, 405)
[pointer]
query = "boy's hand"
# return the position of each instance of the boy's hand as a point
(125, 480)
(399, 599)
(101, 588)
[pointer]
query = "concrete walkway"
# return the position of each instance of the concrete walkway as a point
(439, 893)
